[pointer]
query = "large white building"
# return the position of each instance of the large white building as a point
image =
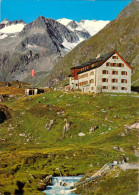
(107, 73)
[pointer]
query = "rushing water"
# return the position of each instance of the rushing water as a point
(61, 185)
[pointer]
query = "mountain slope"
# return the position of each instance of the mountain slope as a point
(120, 34)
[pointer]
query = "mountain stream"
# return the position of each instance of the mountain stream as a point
(61, 185)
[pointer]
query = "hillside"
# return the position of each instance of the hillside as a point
(120, 34)
(64, 133)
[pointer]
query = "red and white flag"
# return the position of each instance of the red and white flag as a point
(32, 73)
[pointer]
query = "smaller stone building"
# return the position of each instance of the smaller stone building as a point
(107, 73)
(33, 91)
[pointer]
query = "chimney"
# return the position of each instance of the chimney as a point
(98, 56)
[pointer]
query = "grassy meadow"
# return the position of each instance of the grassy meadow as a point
(29, 151)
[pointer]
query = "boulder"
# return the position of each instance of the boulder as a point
(48, 126)
(64, 184)
(1, 98)
(66, 127)
(92, 129)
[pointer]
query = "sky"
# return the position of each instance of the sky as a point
(29, 10)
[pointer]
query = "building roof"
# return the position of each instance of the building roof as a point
(91, 61)
(99, 61)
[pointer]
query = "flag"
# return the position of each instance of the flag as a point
(32, 73)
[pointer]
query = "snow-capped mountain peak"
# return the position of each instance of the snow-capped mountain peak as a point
(13, 28)
(91, 26)
(5, 21)
(64, 21)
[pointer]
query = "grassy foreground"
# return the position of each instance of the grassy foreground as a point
(30, 150)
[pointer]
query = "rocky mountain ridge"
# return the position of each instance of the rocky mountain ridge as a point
(38, 45)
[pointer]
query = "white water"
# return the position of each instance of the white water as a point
(57, 188)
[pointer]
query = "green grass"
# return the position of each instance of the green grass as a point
(28, 148)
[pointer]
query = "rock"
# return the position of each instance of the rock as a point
(41, 186)
(115, 162)
(92, 129)
(64, 184)
(22, 134)
(118, 148)
(122, 134)
(81, 134)
(127, 158)
(48, 180)
(1, 98)
(48, 126)
(136, 153)
(127, 131)
(66, 127)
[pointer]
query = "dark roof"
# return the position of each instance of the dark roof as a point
(99, 61)
(92, 61)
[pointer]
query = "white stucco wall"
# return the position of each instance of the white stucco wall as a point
(97, 76)
(110, 76)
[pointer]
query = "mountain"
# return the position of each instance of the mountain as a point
(120, 34)
(90, 26)
(38, 45)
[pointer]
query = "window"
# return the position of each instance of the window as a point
(121, 65)
(114, 88)
(123, 80)
(114, 57)
(123, 73)
(108, 64)
(92, 81)
(123, 88)
(115, 72)
(114, 80)
(104, 87)
(114, 64)
(92, 88)
(104, 71)
(92, 65)
(92, 73)
(104, 80)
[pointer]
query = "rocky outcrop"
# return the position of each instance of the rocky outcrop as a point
(48, 126)
(66, 127)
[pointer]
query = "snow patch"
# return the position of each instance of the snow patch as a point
(32, 46)
(93, 26)
(14, 28)
(3, 36)
(64, 21)
(69, 46)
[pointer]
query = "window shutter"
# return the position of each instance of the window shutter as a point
(107, 71)
(126, 73)
(111, 64)
(106, 80)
